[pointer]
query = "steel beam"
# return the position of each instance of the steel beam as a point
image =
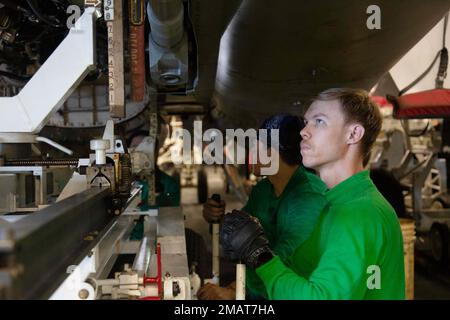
(55, 80)
(36, 251)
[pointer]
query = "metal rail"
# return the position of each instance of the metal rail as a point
(36, 251)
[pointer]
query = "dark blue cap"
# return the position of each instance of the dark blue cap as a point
(289, 127)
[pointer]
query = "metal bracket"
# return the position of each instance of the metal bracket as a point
(116, 145)
(24, 112)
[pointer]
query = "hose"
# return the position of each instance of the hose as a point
(40, 16)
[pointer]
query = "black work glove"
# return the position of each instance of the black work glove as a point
(243, 239)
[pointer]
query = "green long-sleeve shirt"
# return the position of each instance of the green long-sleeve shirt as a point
(287, 220)
(355, 251)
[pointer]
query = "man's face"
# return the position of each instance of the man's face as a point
(324, 136)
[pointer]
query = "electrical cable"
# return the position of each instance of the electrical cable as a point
(40, 16)
(443, 54)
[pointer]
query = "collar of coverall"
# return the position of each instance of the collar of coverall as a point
(294, 180)
(350, 188)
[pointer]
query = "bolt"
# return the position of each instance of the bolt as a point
(83, 294)
(70, 269)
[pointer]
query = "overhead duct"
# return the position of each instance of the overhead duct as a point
(166, 22)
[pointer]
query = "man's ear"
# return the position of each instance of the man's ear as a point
(356, 133)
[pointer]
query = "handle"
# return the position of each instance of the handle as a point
(215, 244)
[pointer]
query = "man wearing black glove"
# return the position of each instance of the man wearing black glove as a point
(358, 229)
(287, 204)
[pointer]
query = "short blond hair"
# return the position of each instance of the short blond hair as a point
(357, 107)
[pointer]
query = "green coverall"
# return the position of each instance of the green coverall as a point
(357, 233)
(287, 220)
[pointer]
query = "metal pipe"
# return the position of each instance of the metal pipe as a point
(240, 281)
(215, 252)
(55, 144)
(166, 22)
(215, 245)
(142, 259)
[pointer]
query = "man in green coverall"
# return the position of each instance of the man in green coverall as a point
(356, 249)
(287, 204)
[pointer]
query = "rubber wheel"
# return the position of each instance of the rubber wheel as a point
(390, 188)
(439, 243)
(440, 203)
(437, 205)
(202, 186)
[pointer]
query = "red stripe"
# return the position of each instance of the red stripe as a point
(427, 104)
